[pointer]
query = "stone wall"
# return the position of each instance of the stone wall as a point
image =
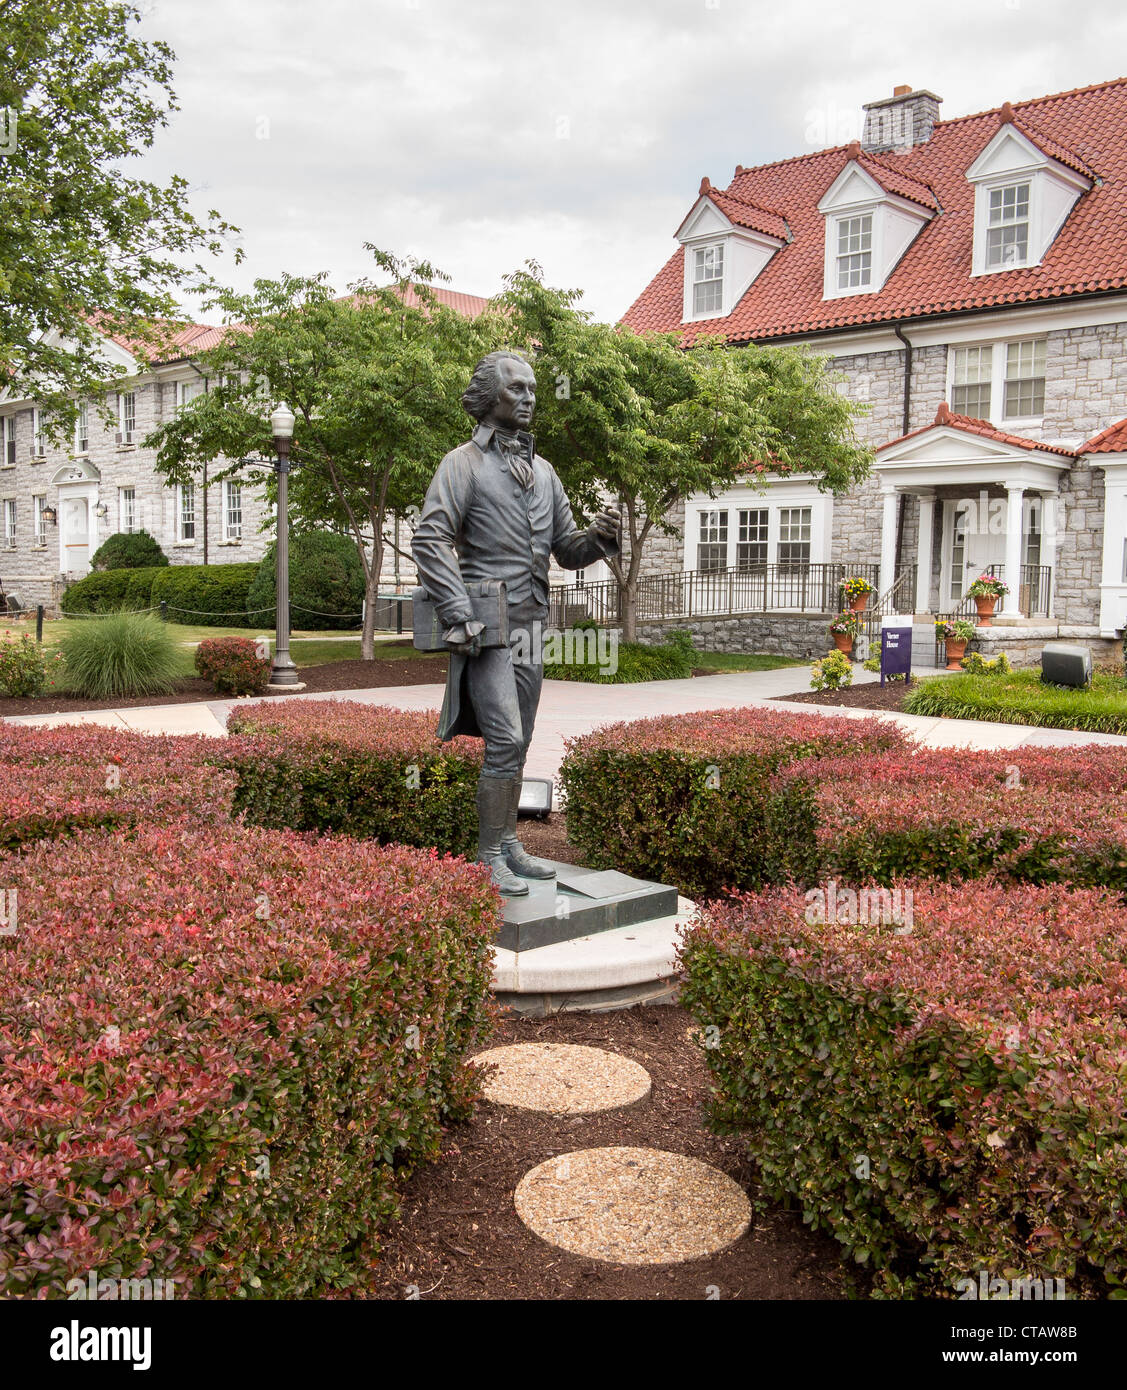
(777, 634)
(1023, 645)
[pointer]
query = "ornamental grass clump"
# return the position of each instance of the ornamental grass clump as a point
(363, 770)
(123, 654)
(689, 799)
(942, 1099)
(224, 1049)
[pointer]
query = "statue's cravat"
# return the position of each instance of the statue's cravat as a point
(516, 449)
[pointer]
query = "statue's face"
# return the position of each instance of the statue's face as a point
(516, 395)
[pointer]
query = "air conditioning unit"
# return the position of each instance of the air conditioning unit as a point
(1066, 663)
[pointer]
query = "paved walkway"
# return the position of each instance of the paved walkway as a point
(569, 708)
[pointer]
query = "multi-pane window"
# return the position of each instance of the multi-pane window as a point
(37, 505)
(10, 523)
(127, 416)
(38, 434)
(187, 391)
(794, 535)
(127, 498)
(82, 430)
(970, 390)
(1007, 226)
(751, 542)
(7, 440)
(1032, 542)
(232, 511)
(1025, 380)
(855, 252)
(712, 549)
(186, 512)
(708, 279)
(958, 554)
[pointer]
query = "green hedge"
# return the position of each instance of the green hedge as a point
(128, 550)
(326, 581)
(938, 1081)
(108, 590)
(209, 595)
(690, 800)
(362, 770)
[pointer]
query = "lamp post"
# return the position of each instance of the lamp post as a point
(283, 673)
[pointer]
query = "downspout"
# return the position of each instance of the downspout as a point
(905, 425)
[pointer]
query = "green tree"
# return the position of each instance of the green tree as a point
(642, 419)
(375, 380)
(83, 246)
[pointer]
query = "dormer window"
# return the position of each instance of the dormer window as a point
(1007, 227)
(855, 252)
(708, 279)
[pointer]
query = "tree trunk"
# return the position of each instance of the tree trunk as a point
(628, 607)
(368, 631)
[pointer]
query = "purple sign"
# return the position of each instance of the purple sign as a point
(895, 652)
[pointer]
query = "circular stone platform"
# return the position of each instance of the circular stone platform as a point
(632, 1206)
(562, 1079)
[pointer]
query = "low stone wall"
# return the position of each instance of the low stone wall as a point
(776, 634)
(1022, 645)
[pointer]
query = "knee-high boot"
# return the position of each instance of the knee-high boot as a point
(494, 795)
(516, 857)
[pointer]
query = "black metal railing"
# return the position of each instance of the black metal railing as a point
(899, 597)
(796, 587)
(1034, 596)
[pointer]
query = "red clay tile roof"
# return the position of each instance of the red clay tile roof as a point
(893, 180)
(745, 214)
(1113, 440)
(1088, 255)
(969, 425)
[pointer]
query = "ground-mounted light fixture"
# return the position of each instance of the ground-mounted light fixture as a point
(535, 797)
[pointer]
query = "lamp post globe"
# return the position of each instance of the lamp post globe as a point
(283, 672)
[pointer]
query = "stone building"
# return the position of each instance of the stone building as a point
(968, 280)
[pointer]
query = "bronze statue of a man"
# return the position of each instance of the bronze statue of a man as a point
(496, 510)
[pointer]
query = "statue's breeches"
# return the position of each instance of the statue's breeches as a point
(505, 693)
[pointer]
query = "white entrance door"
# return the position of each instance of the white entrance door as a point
(74, 538)
(975, 540)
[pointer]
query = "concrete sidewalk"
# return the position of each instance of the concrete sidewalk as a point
(570, 708)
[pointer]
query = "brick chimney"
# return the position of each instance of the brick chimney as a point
(898, 122)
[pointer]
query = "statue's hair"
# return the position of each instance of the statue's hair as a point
(485, 384)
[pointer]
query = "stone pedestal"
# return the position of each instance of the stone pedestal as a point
(580, 902)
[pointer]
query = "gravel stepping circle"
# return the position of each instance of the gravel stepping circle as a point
(632, 1206)
(562, 1079)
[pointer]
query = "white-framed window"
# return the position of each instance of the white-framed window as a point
(232, 510)
(712, 545)
(1007, 226)
(795, 524)
(1025, 380)
(708, 279)
(38, 502)
(127, 416)
(127, 509)
(38, 434)
(970, 386)
(854, 257)
(751, 543)
(82, 429)
(998, 381)
(9, 523)
(188, 390)
(186, 512)
(7, 441)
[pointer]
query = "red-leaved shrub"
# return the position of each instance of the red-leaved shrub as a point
(688, 799)
(943, 1090)
(221, 1049)
(233, 665)
(354, 768)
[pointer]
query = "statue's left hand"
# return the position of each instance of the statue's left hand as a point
(606, 526)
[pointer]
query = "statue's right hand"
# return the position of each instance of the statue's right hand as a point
(465, 637)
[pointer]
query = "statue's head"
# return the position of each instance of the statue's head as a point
(502, 391)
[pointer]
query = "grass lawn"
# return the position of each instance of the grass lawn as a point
(744, 661)
(1023, 698)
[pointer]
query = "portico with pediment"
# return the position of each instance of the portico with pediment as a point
(987, 503)
(77, 483)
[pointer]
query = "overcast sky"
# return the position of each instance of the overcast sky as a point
(481, 133)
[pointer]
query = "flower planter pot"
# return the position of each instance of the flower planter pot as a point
(859, 604)
(985, 608)
(843, 641)
(955, 653)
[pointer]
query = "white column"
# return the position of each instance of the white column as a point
(1113, 586)
(1012, 576)
(923, 552)
(887, 539)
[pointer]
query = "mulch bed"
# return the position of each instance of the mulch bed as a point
(323, 679)
(870, 696)
(460, 1236)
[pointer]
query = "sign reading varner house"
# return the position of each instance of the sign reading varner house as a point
(493, 515)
